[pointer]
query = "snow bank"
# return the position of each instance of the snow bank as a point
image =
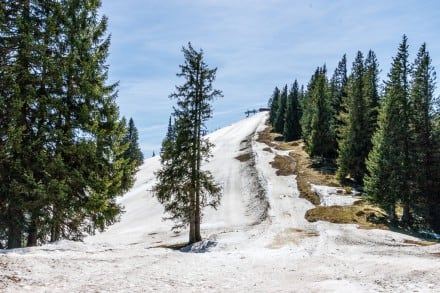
(332, 196)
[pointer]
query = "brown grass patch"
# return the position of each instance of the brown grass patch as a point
(290, 236)
(319, 172)
(285, 165)
(267, 137)
(244, 157)
(420, 243)
(365, 215)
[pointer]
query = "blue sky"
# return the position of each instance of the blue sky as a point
(256, 45)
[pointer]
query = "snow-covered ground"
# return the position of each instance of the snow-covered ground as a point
(251, 247)
(332, 196)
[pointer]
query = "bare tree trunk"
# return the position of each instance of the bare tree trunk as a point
(198, 154)
(14, 235)
(33, 231)
(392, 213)
(406, 216)
(192, 223)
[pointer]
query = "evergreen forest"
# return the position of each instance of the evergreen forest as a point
(383, 138)
(65, 153)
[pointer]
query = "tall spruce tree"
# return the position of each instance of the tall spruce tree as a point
(337, 85)
(273, 105)
(292, 127)
(62, 139)
(133, 153)
(434, 212)
(354, 136)
(183, 187)
(321, 137)
(388, 180)
(307, 107)
(281, 110)
(371, 93)
(423, 151)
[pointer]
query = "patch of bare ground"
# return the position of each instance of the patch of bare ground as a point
(285, 165)
(361, 213)
(268, 137)
(244, 157)
(314, 171)
(290, 236)
(419, 242)
(306, 172)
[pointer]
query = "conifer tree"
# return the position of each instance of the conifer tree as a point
(321, 137)
(183, 187)
(133, 153)
(354, 135)
(292, 127)
(281, 109)
(273, 105)
(62, 140)
(371, 93)
(388, 179)
(423, 145)
(338, 92)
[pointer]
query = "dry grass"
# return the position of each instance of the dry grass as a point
(420, 243)
(244, 157)
(365, 215)
(308, 172)
(268, 137)
(285, 165)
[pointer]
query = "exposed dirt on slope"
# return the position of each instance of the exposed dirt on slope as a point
(309, 172)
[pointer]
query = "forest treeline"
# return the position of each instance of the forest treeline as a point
(382, 137)
(65, 153)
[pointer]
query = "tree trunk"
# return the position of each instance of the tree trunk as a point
(192, 223)
(14, 235)
(33, 232)
(406, 216)
(197, 125)
(392, 213)
(198, 236)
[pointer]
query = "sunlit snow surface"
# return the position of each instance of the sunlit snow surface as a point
(247, 248)
(333, 196)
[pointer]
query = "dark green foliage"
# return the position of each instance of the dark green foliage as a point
(338, 92)
(183, 187)
(60, 137)
(321, 137)
(371, 93)
(281, 110)
(354, 135)
(273, 105)
(423, 149)
(133, 153)
(434, 211)
(388, 180)
(292, 116)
